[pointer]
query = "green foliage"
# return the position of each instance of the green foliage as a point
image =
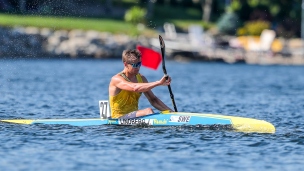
(235, 5)
(228, 23)
(285, 14)
(167, 12)
(103, 25)
(184, 24)
(253, 28)
(254, 3)
(275, 9)
(136, 15)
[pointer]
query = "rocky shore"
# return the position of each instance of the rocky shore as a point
(32, 42)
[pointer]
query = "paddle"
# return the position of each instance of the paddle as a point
(162, 46)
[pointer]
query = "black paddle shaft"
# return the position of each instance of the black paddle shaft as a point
(162, 46)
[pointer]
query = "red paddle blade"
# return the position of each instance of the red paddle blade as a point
(150, 58)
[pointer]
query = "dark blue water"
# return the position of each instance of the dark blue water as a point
(34, 89)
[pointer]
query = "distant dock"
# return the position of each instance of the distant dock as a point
(181, 49)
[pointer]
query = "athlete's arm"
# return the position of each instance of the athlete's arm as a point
(155, 101)
(121, 83)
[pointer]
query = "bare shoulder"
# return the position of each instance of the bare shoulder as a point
(116, 78)
(113, 86)
(143, 78)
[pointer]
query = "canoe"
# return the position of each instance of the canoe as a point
(240, 124)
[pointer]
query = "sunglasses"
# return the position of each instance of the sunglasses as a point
(135, 65)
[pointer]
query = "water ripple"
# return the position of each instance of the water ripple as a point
(32, 89)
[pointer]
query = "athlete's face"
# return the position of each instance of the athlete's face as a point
(133, 65)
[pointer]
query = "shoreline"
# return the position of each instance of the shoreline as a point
(41, 43)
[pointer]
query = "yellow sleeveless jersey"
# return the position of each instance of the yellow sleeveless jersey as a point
(125, 101)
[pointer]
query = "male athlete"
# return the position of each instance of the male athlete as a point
(127, 86)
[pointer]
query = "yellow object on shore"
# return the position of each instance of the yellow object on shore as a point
(276, 46)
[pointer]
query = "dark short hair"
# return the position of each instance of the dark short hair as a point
(130, 53)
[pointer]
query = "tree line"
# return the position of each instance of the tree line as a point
(282, 14)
